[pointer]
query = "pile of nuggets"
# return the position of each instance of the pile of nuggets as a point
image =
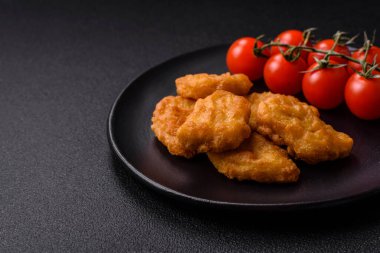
(245, 136)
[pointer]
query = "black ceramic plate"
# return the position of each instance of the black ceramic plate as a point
(197, 181)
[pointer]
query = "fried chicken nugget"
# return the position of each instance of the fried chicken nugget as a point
(256, 159)
(287, 121)
(201, 85)
(218, 123)
(169, 115)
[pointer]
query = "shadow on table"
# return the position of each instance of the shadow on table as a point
(358, 213)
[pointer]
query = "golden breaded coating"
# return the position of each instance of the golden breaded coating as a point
(256, 159)
(218, 123)
(169, 115)
(287, 121)
(202, 85)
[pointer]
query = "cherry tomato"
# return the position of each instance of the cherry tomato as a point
(359, 55)
(291, 37)
(363, 96)
(324, 88)
(282, 76)
(327, 45)
(241, 59)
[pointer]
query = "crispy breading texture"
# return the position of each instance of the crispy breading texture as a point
(202, 85)
(170, 113)
(287, 121)
(256, 159)
(218, 123)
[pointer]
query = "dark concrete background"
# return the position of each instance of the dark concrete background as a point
(63, 63)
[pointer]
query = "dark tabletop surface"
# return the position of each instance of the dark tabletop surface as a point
(62, 65)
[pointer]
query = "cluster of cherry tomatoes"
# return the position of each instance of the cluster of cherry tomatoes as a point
(324, 86)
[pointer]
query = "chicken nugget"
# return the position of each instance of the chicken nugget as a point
(169, 115)
(202, 85)
(290, 122)
(256, 159)
(218, 123)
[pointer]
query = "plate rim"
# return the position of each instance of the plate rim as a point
(300, 205)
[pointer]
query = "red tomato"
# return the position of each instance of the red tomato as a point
(327, 45)
(324, 88)
(291, 37)
(363, 96)
(359, 55)
(282, 76)
(241, 59)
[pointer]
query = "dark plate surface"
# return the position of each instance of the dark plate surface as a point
(197, 181)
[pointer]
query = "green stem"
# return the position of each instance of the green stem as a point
(364, 61)
(336, 41)
(313, 50)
